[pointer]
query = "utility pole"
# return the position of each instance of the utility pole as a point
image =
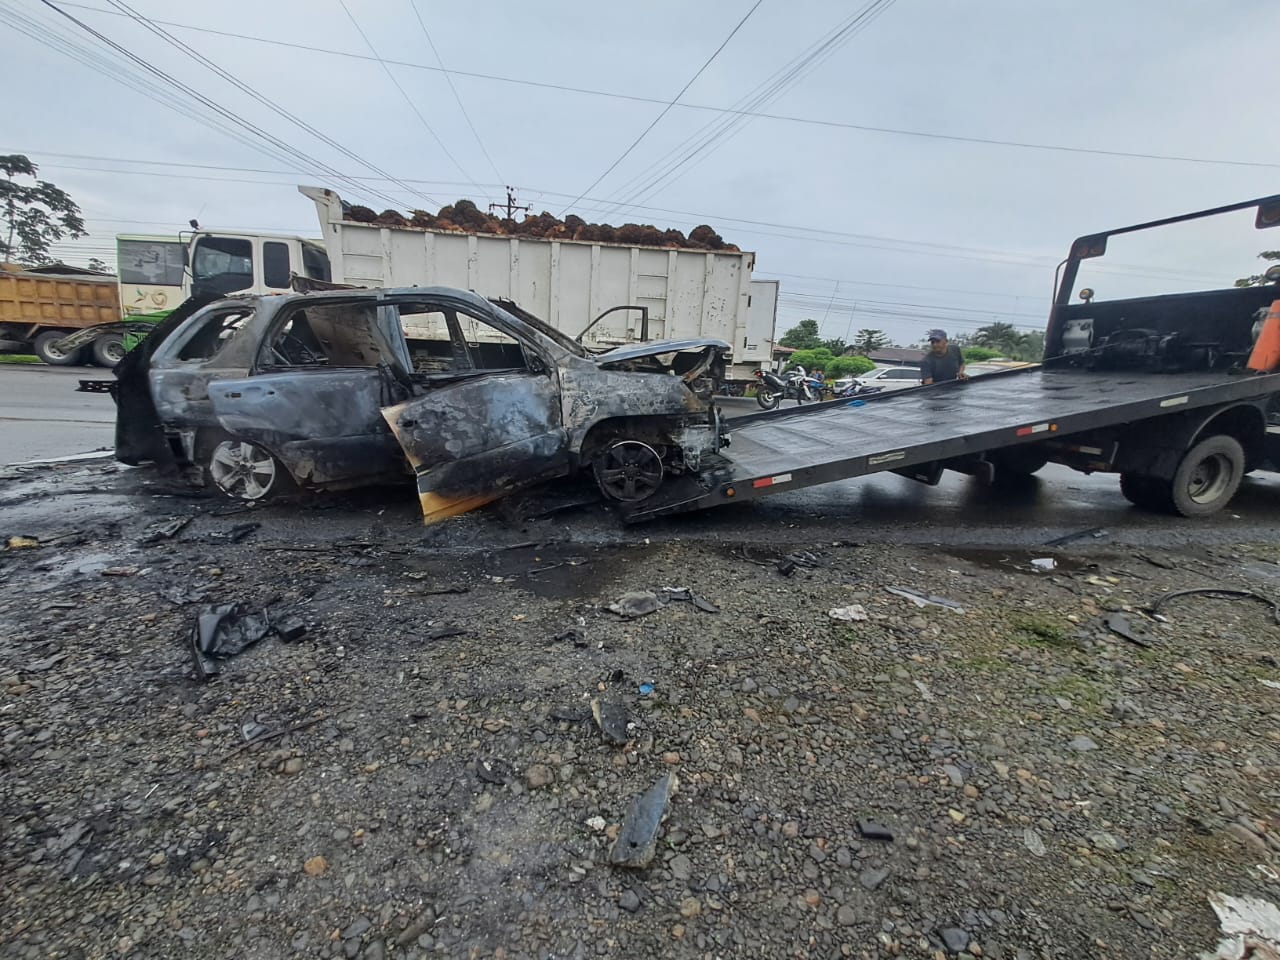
(510, 206)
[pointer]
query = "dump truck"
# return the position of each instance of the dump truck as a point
(41, 306)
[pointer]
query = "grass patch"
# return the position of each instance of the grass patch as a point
(18, 358)
(988, 664)
(1079, 690)
(1034, 629)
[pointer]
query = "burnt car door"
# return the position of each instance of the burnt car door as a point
(487, 416)
(324, 370)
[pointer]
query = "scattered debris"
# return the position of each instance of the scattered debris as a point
(853, 612)
(1096, 532)
(1251, 928)
(497, 772)
(1156, 561)
(179, 596)
(274, 735)
(1119, 624)
(236, 533)
(22, 543)
(612, 718)
(572, 635)
(636, 603)
(925, 693)
(1273, 684)
(925, 600)
(1221, 592)
(291, 629)
(1031, 840)
(446, 588)
(315, 866)
(596, 824)
(446, 630)
(786, 566)
(648, 687)
(251, 730)
(1044, 564)
(871, 830)
(118, 571)
(685, 595)
(164, 530)
(221, 632)
(638, 839)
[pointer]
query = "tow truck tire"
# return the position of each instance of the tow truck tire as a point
(44, 349)
(1145, 492)
(1018, 462)
(108, 350)
(243, 470)
(1208, 476)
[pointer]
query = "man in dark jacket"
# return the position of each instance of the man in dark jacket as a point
(942, 361)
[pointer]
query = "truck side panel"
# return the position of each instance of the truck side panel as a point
(29, 302)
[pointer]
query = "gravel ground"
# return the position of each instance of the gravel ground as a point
(1012, 781)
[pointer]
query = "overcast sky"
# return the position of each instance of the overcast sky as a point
(863, 228)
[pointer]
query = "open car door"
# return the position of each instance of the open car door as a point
(488, 418)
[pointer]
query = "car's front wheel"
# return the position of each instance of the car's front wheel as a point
(628, 470)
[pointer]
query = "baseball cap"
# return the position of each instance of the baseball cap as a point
(936, 334)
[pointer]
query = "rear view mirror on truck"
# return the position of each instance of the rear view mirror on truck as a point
(1268, 215)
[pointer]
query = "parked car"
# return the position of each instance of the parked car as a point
(326, 390)
(891, 378)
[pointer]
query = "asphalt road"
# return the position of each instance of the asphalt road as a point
(42, 415)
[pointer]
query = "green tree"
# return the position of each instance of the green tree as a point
(1258, 278)
(867, 340)
(848, 367)
(818, 358)
(33, 216)
(836, 346)
(100, 265)
(1004, 337)
(803, 336)
(978, 354)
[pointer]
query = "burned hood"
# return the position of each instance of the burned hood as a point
(655, 348)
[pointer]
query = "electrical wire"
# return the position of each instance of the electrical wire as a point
(413, 4)
(667, 108)
(253, 93)
(396, 83)
(722, 129)
(297, 156)
(816, 121)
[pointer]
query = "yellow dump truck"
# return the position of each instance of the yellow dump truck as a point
(40, 306)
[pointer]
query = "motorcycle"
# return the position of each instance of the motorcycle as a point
(772, 389)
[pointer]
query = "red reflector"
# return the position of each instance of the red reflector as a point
(763, 482)
(1023, 432)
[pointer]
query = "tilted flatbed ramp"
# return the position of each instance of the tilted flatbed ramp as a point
(788, 449)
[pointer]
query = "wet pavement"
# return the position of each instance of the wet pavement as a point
(42, 415)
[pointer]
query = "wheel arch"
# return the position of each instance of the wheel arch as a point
(1244, 422)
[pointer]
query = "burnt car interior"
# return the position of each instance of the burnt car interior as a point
(328, 335)
(209, 337)
(446, 344)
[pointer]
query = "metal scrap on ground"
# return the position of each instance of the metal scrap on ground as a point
(1250, 927)
(925, 600)
(638, 839)
(1224, 593)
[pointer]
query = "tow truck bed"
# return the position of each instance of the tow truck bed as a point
(791, 448)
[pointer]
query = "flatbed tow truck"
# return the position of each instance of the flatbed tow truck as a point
(1176, 392)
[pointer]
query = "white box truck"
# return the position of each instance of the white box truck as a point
(573, 285)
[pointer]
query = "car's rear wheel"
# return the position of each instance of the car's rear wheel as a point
(244, 470)
(628, 471)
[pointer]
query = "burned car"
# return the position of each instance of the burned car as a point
(474, 398)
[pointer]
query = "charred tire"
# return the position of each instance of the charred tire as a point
(108, 350)
(628, 471)
(768, 399)
(1208, 476)
(44, 349)
(243, 470)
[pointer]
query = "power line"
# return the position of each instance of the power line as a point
(815, 121)
(667, 108)
(252, 92)
(466, 116)
(274, 142)
(392, 77)
(726, 125)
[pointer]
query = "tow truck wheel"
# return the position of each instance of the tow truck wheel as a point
(628, 470)
(108, 350)
(1145, 492)
(243, 470)
(1208, 476)
(44, 349)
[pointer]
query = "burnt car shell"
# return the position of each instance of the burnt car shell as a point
(497, 409)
